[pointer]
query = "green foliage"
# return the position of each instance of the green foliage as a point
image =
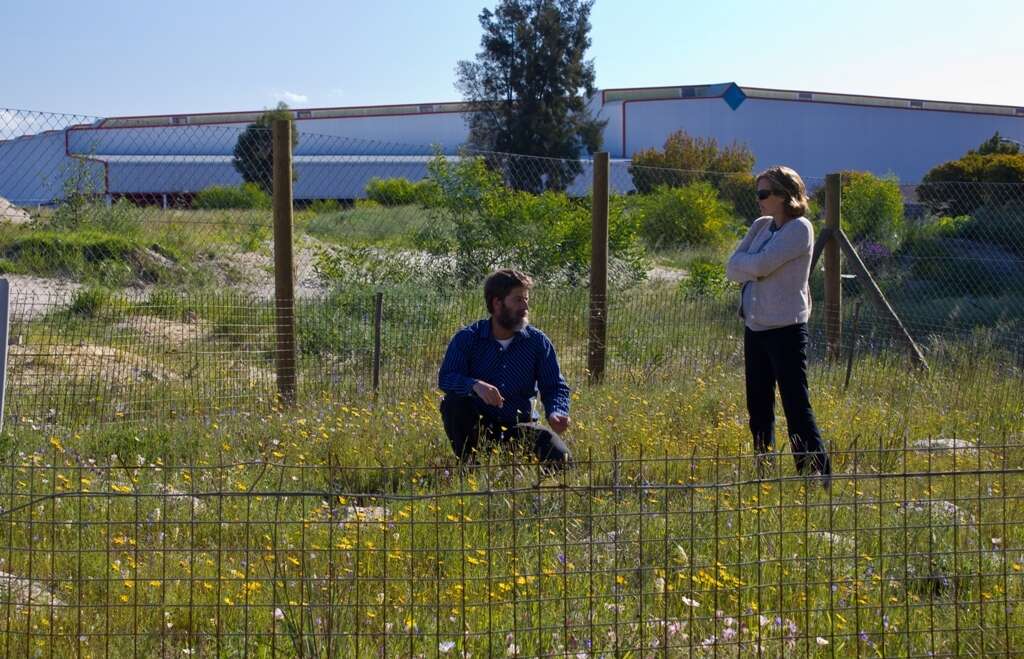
(344, 265)
(691, 215)
(952, 187)
(685, 159)
(997, 145)
(528, 88)
(254, 151)
(85, 210)
(221, 197)
(483, 225)
(324, 207)
(872, 209)
(96, 256)
(707, 279)
(401, 192)
(90, 301)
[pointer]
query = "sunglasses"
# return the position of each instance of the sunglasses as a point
(764, 194)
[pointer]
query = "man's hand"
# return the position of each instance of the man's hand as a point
(558, 422)
(488, 393)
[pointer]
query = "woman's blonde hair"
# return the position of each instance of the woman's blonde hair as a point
(786, 182)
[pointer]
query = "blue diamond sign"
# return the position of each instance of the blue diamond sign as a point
(734, 96)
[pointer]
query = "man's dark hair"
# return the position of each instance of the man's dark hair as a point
(501, 283)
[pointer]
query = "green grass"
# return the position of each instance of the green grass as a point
(371, 224)
(690, 522)
(660, 534)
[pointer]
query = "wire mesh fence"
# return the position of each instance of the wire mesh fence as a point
(143, 325)
(907, 555)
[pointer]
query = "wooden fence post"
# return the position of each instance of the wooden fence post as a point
(378, 317)
(598, 324)
(833, 271)
(284, 262)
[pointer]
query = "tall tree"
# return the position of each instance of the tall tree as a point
(254, 150)
(528, 90)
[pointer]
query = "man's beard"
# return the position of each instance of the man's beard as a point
(510, 321)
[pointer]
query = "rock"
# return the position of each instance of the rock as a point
(22, 592)
(12, 214)
(365, 514)
(175, 495)
(940, 512)
(836, 541)
(946, 445)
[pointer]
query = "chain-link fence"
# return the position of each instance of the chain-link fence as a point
(141, 263)
(156, 498)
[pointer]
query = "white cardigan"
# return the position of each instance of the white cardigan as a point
(774, 270)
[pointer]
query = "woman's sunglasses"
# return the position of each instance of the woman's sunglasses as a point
(764, 194)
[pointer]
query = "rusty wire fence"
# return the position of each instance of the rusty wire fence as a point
(155, 499)
(915, 551)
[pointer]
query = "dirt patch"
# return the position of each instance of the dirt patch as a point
(32, 365)
(253, 272)
(12, 214)
(662, 273)
(32, 297)
(166, 332)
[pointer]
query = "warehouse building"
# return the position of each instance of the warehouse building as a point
(171, 157)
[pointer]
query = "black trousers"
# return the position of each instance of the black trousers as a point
(779, 356)
(465, 426)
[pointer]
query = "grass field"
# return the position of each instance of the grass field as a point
(177, 511)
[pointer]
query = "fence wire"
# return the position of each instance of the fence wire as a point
(157, 497)
(905, 556)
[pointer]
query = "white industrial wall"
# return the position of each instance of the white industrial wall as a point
(33, 169)
(818, 138)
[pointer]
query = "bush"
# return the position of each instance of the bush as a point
(685, 159)
(691, 216)
(90, 302)
(483, 224)
(324, 207)
(121, 217)
(401, 192)
(872, 210)
(959, 187)
(707, 279)
(224, 197)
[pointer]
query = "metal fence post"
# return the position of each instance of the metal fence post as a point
(598, 325)
(378, 317)
(284, 263)
(833, 289)
(5, 318)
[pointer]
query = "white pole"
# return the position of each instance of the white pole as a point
(5, 298)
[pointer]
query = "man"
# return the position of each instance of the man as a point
(492, 370)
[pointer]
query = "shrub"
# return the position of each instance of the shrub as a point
(685, 159)
(959, 187)
(90, 302)
(121, 217)
(707, 278)
(689, 216)
(223, 197)
(483, 224)
(872, 210)
(401, 192)
(324, 207)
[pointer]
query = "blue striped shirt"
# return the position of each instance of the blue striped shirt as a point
(527, 366)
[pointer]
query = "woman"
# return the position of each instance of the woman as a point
(773, 262)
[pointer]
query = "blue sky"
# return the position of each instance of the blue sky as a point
(119, 58)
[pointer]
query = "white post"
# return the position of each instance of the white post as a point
(5, 298)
